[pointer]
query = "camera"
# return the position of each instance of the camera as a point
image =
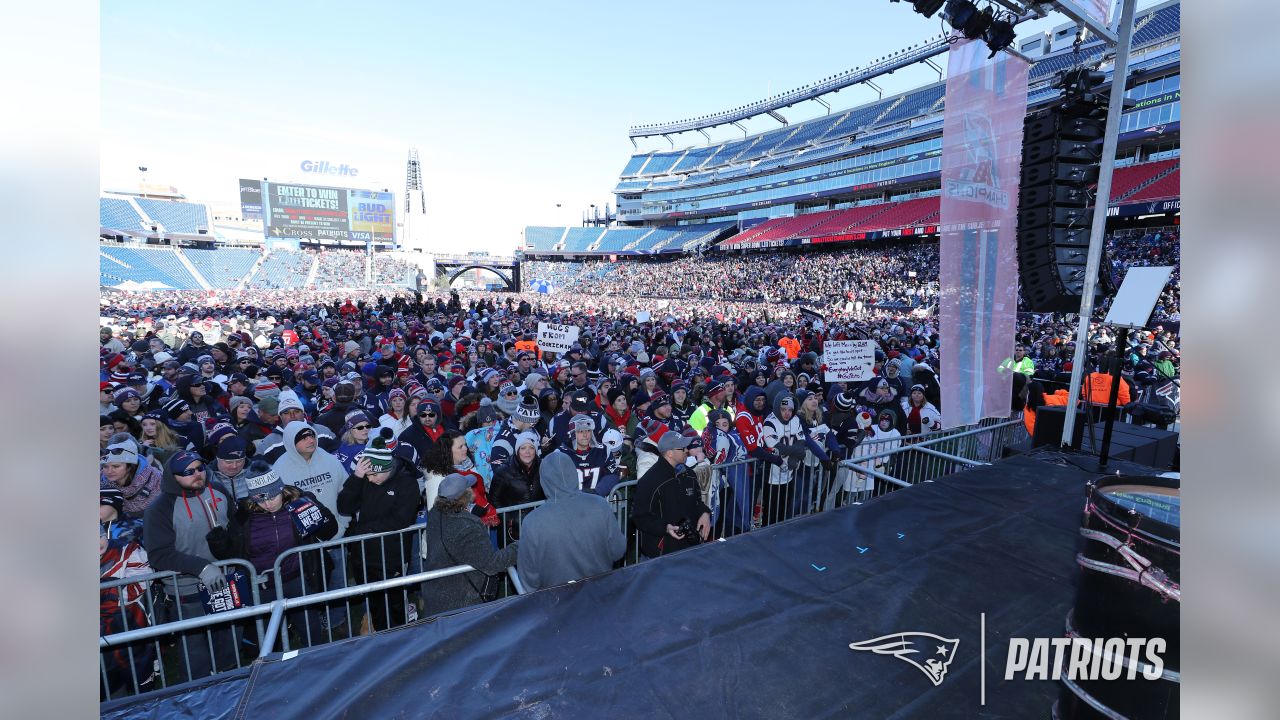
(690, 531)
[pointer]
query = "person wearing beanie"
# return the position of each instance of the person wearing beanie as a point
(274, 518)
(121, 608)
(597, 465)
(176, 533)
(724, 448)
(578, 402)
(397, 415)
(126, 469)
(525, 419)
(572, 536)
(921, 416)
(309, 467)
(344, 401)
(455, 536)
(534, 383)
(245, 421)
(289, 410)
(717, 397)
(106, 398)
(480, 438)
(518, 482)
(682, 405)
(356, 431)
(508, 399)
(380, 496)
(789, 491)
(425, 430)
(196, 393)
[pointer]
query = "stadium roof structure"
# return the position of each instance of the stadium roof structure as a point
(920, 53)
(813, 91)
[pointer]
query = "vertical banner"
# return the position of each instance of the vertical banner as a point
(986, 102)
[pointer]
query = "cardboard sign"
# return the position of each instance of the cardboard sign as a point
(642, 317)
(848, 360)
(556, 338)
(307, 517)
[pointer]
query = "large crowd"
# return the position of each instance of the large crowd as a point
(246, 424)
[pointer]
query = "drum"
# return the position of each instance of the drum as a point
(1129, 587)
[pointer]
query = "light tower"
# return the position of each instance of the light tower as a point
(415, 218)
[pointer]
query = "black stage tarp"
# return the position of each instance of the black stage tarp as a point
(755, 627)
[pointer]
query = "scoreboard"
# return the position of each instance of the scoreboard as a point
(313, 212)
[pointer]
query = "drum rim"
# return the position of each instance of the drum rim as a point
(1148, 526)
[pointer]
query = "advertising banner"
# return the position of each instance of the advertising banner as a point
(981, 164)
(306, 212)
(251, 199)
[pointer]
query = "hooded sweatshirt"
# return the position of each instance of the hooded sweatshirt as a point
(176, 526)
(572, 535)
(322, 476)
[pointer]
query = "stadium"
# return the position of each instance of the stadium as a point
(431, 480)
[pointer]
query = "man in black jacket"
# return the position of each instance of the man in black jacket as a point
(667, 496)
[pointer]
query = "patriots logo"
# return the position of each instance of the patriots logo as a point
(930, 653)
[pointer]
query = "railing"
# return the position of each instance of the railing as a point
(379, 576)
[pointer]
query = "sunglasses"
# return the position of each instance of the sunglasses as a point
(360, 427)
(426, 413)
(190, 471)
(118, 451)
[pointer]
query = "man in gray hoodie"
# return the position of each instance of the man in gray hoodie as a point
(572, 536)
(175, 534)
(306, 466)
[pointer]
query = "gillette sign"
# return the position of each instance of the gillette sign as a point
(324, 167)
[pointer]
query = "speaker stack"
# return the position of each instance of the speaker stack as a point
(1060, 163)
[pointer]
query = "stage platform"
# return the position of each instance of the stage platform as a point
(755, 627)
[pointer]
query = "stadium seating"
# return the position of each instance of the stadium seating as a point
(340, 269)
(619, 238)
(1152, 26)
(542, 238)
(225, 267)
(866, 218)
(118, 214)
(1125, 180)
(580, 238)
(901, 214)
(176, 217)
(1169, 186)
(120, 263)
(282, 269)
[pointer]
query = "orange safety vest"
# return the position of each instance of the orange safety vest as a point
(529, 346)
(1098, 385)
(792, 346)
(1057, 398)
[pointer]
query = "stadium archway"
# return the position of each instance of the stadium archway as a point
(506, 279)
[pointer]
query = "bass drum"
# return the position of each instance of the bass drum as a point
(1129, 588)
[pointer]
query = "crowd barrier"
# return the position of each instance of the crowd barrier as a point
(373, 582)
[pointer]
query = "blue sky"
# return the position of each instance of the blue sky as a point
(514, 107)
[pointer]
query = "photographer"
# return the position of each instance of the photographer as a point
(668, 510)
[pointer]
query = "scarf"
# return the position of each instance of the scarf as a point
(619, 420)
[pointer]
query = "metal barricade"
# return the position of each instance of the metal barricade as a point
(274, 610)
(379, 574)
(141, 602)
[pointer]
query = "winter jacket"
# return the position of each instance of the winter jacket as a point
(265, 536)
(141, 491)
(460, 539)
(176, 528)
(420, 439)
(666, 497)
(788, 438)
(321, 476)
(571, 536)
(515, 484)
(480, 442)
(393, 505)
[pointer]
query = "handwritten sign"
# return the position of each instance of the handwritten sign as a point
(556, 338)
(848, 360)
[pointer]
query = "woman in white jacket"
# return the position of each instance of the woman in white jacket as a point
(397, 416)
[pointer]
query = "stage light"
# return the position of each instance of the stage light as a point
(927, 7)
(1000, 36)
(965, 17)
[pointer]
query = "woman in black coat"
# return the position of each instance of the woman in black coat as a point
(517, 482)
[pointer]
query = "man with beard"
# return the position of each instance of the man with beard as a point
(175, 531)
